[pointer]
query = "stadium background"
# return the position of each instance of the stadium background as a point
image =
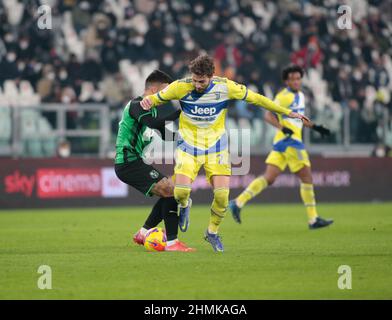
(62, 91)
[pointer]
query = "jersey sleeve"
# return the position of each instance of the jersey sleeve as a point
(262, 101)
(147, 118)
(154, 118)
(167, 94)
(238, 91)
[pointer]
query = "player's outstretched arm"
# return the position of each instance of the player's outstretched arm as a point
(272, 119)
(154, 119)
(241, 92)
(260, 100)
(168, 94)
(296, 115)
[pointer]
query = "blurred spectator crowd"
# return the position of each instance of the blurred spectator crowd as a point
(101, 51)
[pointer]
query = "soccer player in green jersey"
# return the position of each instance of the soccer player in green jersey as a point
(135, 133)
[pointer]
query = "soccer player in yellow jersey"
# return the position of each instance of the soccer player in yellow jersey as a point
(202, 136)
(288, 150)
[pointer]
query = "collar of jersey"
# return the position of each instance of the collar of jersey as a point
(291, 90)
(196, 95)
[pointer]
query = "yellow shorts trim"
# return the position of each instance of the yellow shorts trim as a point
(215, 164)
(294, 158)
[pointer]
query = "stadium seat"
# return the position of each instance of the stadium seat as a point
(32, 148)
(11, 93)
(147, 68)
(257, 131)
(27, 97)
(3, 100)
(245, 128)
(231, 124)
(48, 141)
(28, 129)
(14, 11)
(86, 92)
(74, 44)
(5, 125)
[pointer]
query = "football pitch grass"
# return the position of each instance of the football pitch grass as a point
(272, 255)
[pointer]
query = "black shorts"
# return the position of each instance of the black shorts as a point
(139, 175)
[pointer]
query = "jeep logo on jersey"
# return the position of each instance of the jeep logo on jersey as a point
(204, 111)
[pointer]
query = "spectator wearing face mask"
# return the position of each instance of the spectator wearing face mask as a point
(9, 67)
(309, 56)
(25, 49)
(250, 41)
(64, 149)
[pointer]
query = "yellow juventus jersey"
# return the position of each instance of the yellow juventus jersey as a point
(293, 101)
(202, 120)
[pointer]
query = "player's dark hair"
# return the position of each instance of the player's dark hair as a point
(157, 76)
(291, 69)
(202, 66)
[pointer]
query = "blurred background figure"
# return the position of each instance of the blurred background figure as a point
(99, 51)
(64, 149)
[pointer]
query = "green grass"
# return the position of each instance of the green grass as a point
(272, 255)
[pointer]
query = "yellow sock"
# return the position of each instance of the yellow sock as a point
(181, 194)
(309, 200)
(254, 188)
(218, 208)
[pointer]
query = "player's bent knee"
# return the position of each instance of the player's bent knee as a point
(221, 199)
(182, 193)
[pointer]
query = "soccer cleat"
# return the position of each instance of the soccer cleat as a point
(179, 246)
(215, 240)
(320, 223)
(235, 211)
(183, 216)
(138, 238)
(182, 243)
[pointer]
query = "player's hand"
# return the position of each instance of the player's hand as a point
(296, 115)
(146, 103)
(287, 132)
(325, 132)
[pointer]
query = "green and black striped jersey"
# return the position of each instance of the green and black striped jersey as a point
(135, 130)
